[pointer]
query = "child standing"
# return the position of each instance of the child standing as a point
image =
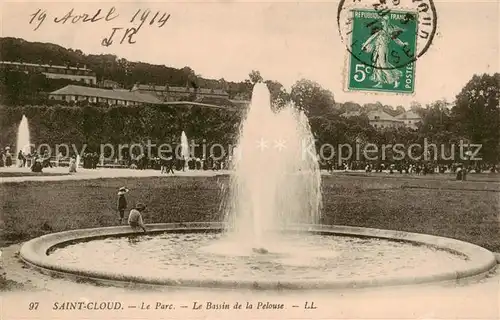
(122, 203)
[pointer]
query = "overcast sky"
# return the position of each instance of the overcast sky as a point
(285, 41)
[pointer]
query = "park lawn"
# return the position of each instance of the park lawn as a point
(467, 211)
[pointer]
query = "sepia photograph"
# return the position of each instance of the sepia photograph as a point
(249, 159)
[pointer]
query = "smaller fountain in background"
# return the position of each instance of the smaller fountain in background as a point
(185, 154)
(23, 140)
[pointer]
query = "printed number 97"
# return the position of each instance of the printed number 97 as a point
(33, 305)
(360, 72)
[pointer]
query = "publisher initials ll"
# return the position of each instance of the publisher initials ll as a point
(309, 305)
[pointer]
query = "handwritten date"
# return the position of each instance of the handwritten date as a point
(138, 20)
(40, 15)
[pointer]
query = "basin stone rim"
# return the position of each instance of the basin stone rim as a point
(480, 260)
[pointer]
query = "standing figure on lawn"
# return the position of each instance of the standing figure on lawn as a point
(122, 203)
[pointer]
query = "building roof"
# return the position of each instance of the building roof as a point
(42, 65)
(372, 115)
(107, 93)
(409, 115)
(192, 103)
(146, 87)
(379, 115)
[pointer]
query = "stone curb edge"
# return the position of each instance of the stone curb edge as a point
(480, 260)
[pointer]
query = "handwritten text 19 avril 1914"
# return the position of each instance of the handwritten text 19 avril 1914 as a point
(123, 34)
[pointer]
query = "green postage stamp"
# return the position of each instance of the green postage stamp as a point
(383, 51)
(384, 39)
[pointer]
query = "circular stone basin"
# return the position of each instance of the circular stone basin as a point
(297, 256)
(199, 255)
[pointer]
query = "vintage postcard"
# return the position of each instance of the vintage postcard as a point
(250, 159)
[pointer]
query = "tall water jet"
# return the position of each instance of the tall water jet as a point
(276, 178)
(184, 147)
(23, 139)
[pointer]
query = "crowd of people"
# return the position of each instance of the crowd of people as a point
(33, 160)
(6, 157)
(418, 168)
(90, 160)
(168, 163)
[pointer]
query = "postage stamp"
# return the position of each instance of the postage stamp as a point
(384, 40)
(383, 51)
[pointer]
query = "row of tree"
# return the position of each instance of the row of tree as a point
(474, 117)
(95, 126)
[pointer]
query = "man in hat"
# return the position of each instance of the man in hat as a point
(122, 202)
(135, 217)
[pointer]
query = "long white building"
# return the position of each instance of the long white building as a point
(380, 119)
(81, 74)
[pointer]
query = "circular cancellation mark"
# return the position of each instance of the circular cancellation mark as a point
(387, 34)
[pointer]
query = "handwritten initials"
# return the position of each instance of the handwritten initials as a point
(129, 32)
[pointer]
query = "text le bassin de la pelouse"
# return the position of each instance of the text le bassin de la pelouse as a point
(123, 34)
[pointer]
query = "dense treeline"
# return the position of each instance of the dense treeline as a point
(93, 126)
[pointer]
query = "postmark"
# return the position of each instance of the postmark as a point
(384, 39)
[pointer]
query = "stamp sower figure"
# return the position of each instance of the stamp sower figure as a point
(122, 202)
(135, 217)
(378, 45)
